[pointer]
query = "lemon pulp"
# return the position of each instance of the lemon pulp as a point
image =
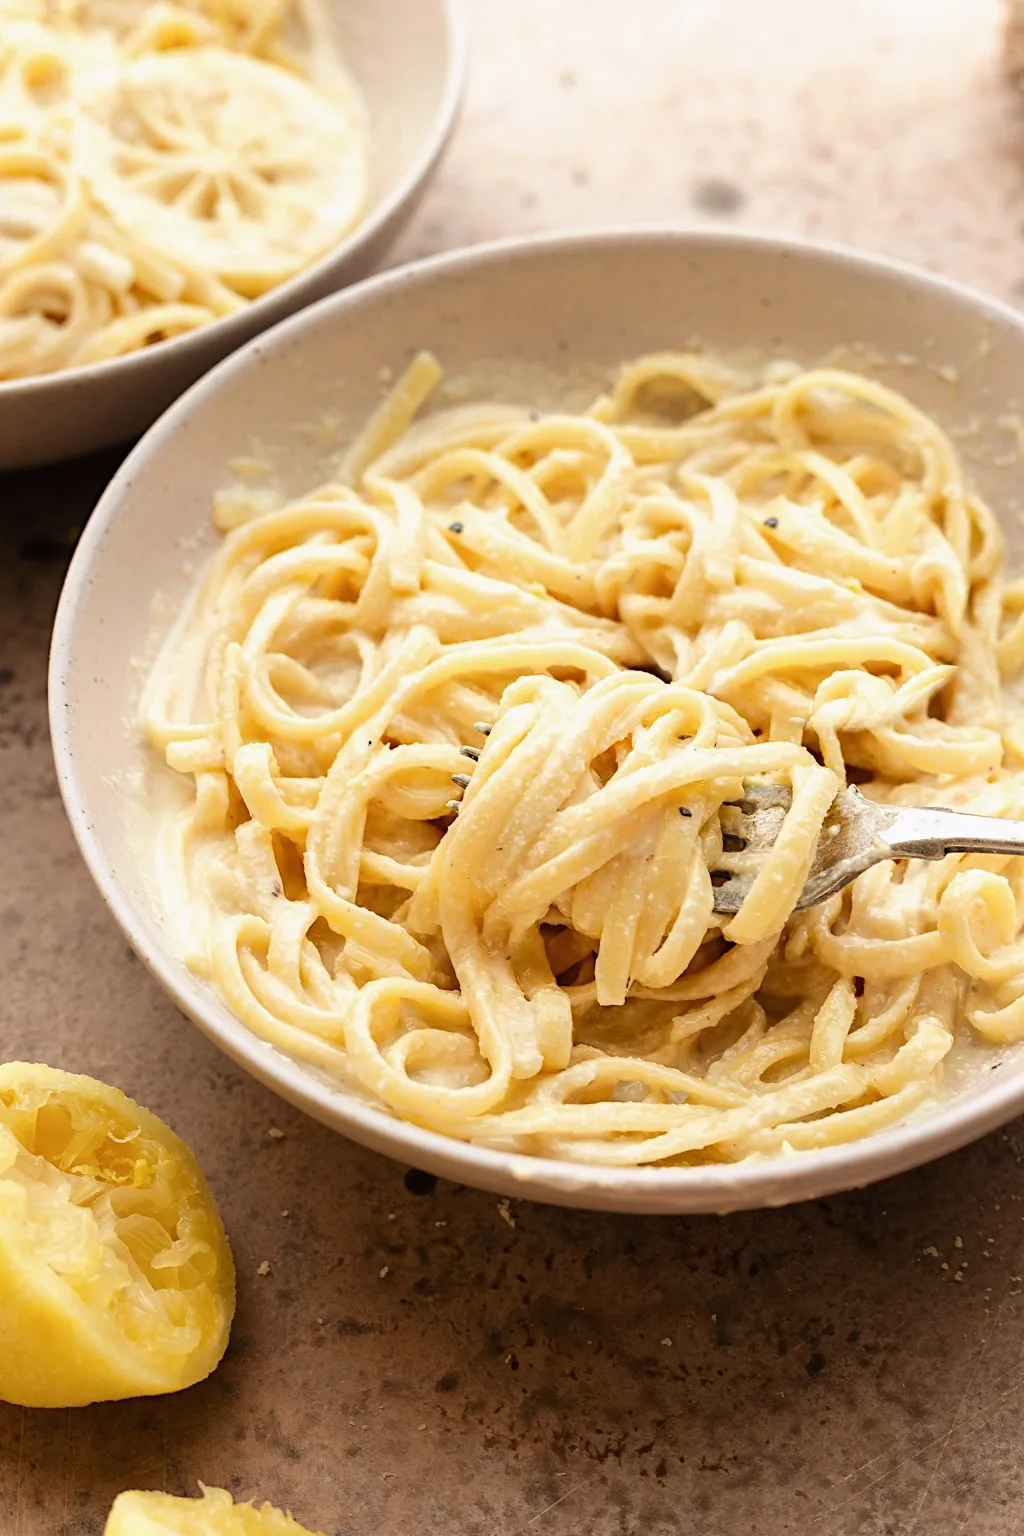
(159, 1514)
(116, 1278)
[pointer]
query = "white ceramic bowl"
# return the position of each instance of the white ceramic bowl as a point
(555, 302)
(408, 58)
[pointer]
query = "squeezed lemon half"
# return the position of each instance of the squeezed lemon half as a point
(158, 1514)
(116, 1279)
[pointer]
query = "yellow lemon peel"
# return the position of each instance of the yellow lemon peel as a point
(214, 1514)
(116, 1279)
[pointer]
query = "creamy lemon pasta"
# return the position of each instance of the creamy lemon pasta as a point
(161, 166)
(626, 614)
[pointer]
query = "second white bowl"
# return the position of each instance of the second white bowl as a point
(408, 59)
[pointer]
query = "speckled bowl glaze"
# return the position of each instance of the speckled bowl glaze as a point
(552, 305)
(408, 59)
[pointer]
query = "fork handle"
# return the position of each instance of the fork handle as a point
(932, 833)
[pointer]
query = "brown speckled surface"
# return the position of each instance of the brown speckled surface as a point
(431, 1360)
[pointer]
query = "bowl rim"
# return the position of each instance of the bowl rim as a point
(362, 235)
(710, 1188)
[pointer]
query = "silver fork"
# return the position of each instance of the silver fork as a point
(857, 833)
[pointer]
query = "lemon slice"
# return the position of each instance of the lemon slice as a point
(158, 1514)
(226, 164)
(116, 1279)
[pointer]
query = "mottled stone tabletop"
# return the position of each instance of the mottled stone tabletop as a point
(420, 1356)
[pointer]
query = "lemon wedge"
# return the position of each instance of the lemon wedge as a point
(225, 163)
(158, 1514)
(116, 1279)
